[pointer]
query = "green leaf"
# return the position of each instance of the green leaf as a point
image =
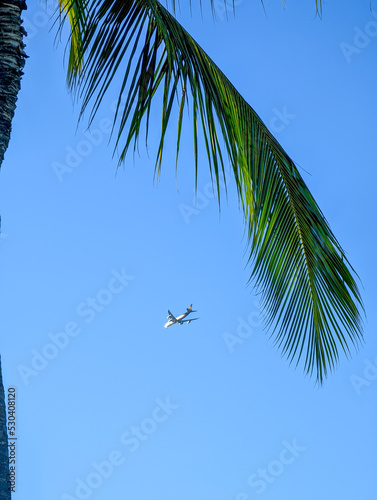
(308, 287)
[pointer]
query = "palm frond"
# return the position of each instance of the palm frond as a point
(75, 11)
(308, 286)
(214, 3)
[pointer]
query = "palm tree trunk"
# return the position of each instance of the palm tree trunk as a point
(12, 60)
(5, 493)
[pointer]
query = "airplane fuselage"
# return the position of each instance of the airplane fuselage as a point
(179, 319)
(182, 316)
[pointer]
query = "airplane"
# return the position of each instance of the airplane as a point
(179, 319)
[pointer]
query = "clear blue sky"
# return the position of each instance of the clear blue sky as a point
(91, 260)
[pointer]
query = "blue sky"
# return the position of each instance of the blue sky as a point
(109, 403)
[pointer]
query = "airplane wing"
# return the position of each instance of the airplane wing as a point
(188, 320)
(172, 320)
(171, 316)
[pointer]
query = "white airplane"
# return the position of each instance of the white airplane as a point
(179, 319)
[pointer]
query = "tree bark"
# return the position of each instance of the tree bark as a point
(12, 60)
(5, 493)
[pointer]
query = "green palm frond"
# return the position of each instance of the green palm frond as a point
(213, 3)
(308, 286)
(76, 12)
